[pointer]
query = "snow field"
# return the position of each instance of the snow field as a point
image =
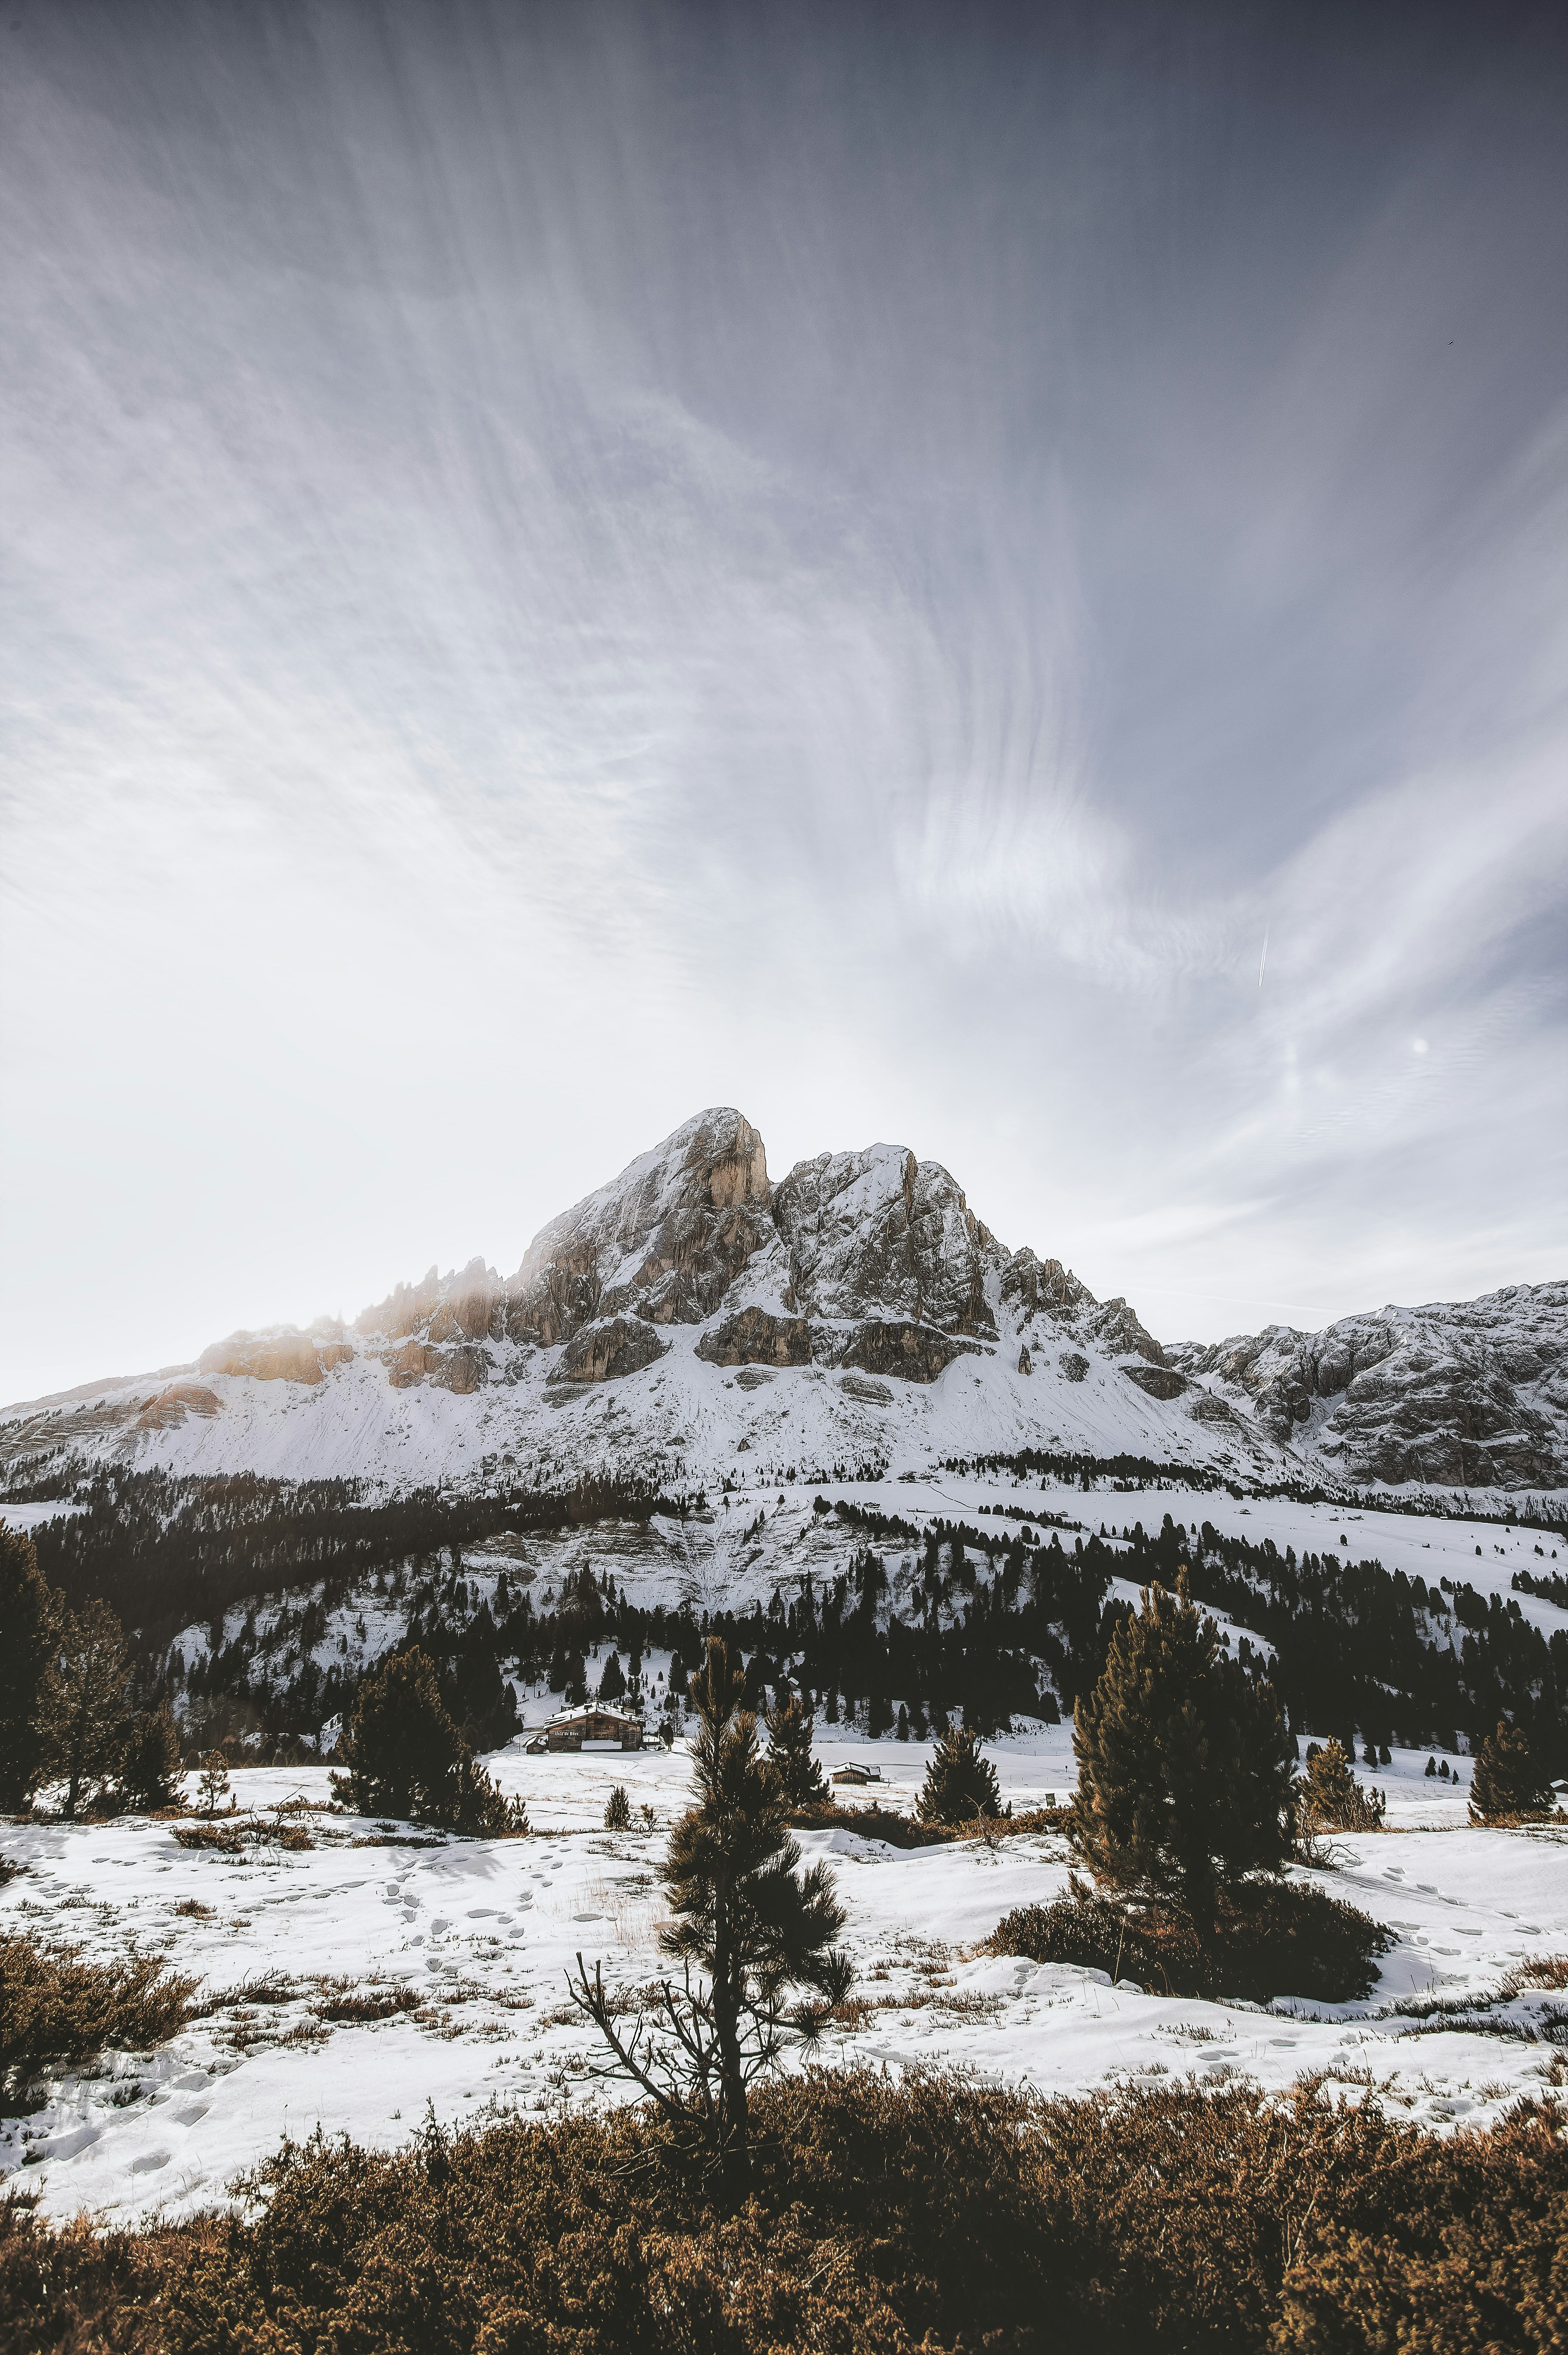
(481, 1935)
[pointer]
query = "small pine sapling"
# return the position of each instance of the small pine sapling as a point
(618, 1810)
(747, 1926)
(1330, 1799)
(960, 1785)
(212, 1788)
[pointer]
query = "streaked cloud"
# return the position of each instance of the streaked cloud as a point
(566, 565)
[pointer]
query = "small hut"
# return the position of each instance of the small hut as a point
(593, 1725)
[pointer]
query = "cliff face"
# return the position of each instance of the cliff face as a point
(694, 1311)
(1469, 1394)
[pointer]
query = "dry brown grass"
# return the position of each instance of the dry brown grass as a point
(932, 2215)
(1536, 1971)
(57, 2011)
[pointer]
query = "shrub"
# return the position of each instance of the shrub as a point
(1507, 1785)
(618, 1810)
(959, 1784)
(348, 2010)
(213, 1787)
(1270, 1938)
(934, 2212)
(59, 2011)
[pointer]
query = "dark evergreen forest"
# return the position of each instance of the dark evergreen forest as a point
(992, 1622)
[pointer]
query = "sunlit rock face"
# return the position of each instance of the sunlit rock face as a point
(266, 1357)
(665, 1240)
(1461, 1394)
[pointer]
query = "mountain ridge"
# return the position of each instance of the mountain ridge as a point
(694, 1309)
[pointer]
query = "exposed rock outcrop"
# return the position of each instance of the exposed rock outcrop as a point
(1042, 1284)
(880, 1232)
(604, 1351)
(753, 1338)
(915, 1352)
(170, 1408)
(266, 1357)
(463, 1369)
(1468, 1394)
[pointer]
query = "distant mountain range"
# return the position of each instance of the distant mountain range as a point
(695, 1319)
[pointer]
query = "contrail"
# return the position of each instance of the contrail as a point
(1263, 959)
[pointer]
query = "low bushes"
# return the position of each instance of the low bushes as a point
(59, 2011)
(1270, 1938)
(934, 2213)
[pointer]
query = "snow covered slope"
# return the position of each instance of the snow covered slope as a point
(694, 1321)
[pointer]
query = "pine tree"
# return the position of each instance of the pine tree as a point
(612, 1683)
(1184, 1763)
(618, 1810)
(150, 1762)
(1507, 1784)
(30, 1615)
(406, 1757)
(790, 1725)
(86, 1701)
(1330, 1799)
(400, 1746)
(744, 1918)
(960, 1785)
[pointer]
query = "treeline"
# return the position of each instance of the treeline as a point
(165, 1550)
(1133, 1472)
(1361, 1649)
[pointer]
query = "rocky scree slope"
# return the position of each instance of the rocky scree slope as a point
(693, 1312)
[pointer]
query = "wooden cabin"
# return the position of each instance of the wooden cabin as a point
(594, 1726)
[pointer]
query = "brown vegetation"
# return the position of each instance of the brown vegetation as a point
(57, 2011)
(933, 2214)
(1269, 1938)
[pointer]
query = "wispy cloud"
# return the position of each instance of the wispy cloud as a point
(566, 565)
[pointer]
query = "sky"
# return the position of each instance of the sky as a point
(990, 578)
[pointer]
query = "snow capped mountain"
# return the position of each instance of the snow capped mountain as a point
(1472, 1394)
(694, 1314)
